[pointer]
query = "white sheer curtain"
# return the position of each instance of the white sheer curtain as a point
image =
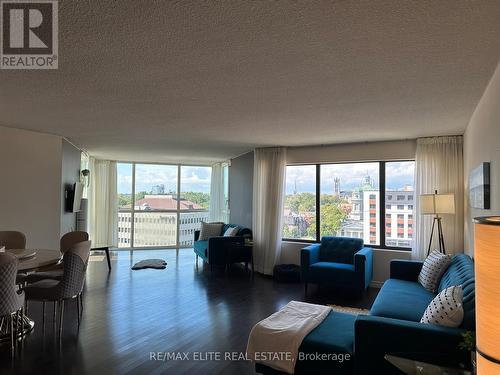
(217, 199)
(439, 166)
(268, 193)
(103, 203)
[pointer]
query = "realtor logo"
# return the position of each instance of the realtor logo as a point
(29, 35)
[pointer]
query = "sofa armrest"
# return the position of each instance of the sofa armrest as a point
(363, 265)
(308, 255)
(375, 337)
(405, 269)
(196, 235)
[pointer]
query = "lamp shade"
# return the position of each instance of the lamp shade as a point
(445, 203)
(487, 269)
(432, 204)
(427, 204)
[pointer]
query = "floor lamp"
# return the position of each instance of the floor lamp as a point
(437, 204)
(487, 264)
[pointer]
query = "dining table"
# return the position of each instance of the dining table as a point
(29, 260)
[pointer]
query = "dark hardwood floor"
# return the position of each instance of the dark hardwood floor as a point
(129, 314)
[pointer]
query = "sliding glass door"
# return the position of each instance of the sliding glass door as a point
(194, 202)
(161, 205)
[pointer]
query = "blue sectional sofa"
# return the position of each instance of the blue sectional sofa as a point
(222, 250)
(393, 326)
(340, 262)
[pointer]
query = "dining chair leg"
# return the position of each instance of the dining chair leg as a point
(21, 343)
(78, 309)
(43, 316)
(19, 323)
(22, 322)
(55, 314)
(16, 325)
(11, 333)
(61, 317)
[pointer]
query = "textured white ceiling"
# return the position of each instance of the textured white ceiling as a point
(202, 80)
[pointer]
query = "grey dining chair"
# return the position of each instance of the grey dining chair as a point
(12, 239)
(12, 301)
(56, 272)
(69, 287)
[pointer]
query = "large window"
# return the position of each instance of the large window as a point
(155, 187)
(299, 221)
(345, 200)
(152, 212)
(195, 201)
(350, 200)
(400, 197)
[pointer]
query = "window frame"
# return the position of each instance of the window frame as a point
(178, 212)
(382, 204)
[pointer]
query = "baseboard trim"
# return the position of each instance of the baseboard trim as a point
(376, 284)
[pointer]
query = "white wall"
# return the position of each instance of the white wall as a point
(70, 173)
(369, 151)
(482, 144)
(30, 186)
(290, 254)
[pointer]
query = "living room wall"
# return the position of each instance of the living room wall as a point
(352, 152)
(30, 187)
(70, 173)
(481, 144)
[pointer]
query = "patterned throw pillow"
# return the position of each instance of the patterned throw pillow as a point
(231, 232)
(210, 230)
(446, 308)
(432, 270)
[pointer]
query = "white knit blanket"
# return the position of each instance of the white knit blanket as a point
(275, 341)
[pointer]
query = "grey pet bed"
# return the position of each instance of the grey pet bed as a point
(159, 264)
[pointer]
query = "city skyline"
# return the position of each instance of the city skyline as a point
(352, 176)
(193, 178)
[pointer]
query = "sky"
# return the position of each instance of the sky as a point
(351, 176)
(195, 179)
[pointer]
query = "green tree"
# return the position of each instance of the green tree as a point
(334, 210)
(124, 200)
(202, 199)
(332, 216)
(140, 195)
(300, 203)
(288, 232)
(311, 231)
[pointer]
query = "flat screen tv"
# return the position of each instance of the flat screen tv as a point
(74, 198)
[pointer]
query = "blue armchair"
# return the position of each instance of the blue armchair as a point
(338, 261)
